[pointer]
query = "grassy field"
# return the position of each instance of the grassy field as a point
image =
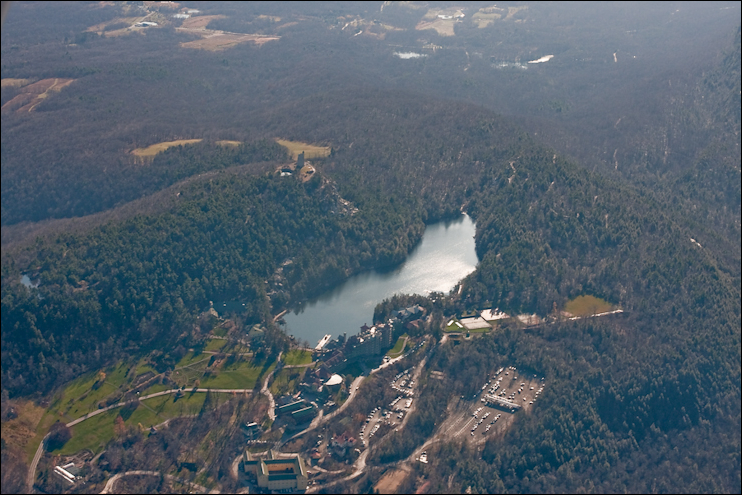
(152, 150)
(192, 358)
(398, 348)
(454, 328)
(81, 396)
(14, 83)
(239, 375)
(310, 150)
(297, 356)
(587, 305)
(482, 19)
(225, 142)
(96, 432)
(286, 380)
(215, 345)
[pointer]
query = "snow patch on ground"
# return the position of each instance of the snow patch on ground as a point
(409, 55)
(545, 58)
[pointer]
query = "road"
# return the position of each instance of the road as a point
(359, 465)
(32, 469)
(40, 450)
(267, 392)
(320, 419)
(109, 485)
(159, 394)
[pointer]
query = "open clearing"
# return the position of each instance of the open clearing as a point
(391, 481)
(199, 22)
(10, 82)
(152, 150)
(310, 150)
(297, 357)
(21, 431)
(215, 40)
(587, 306)
(97, 431)
(100, 29)
(35, 93)
(444, 27)
(156, 148)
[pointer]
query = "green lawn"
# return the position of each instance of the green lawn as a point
(453, 327)
(587, 305)
(96, 432)
(143, 366)
(215, 345)
(93, 434)
(79, 397)
(286, 380)
(398, 347)
(480, 330)
(239, 375)
(297, 356)
(191, 358)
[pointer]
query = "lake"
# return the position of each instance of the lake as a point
(444, 256)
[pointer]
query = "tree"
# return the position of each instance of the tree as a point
(119, 427)
(58, 436)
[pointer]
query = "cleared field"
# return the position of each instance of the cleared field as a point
(391, 481)
(310, 150)
(35, 93)
(286, 380)
(217, 40)
(96, 432)
(10, 82)
(101, 28)
(484, 19)
(240, 375)
(152, 150)
(199, 22)
(454, 327)
(444, 27)
(587, 305)
(514, 10)
(297, 356)
(398, 347)
(21, 431)
(215, 345)
(82, 395)
(225, 142)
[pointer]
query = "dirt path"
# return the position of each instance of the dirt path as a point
(30, 477)
(267, 391)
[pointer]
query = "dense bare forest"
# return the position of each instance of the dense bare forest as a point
(611, 168)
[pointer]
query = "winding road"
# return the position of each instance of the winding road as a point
(109, 485)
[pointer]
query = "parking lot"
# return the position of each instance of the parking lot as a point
(491, 411)
(393, 413)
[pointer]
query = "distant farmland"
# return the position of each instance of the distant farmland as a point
(310, 150)
(152, 150)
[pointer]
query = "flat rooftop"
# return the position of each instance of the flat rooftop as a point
(475, 323)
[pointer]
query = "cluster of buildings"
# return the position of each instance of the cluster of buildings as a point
(320, 381)
(371, 341)
(68, 472)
